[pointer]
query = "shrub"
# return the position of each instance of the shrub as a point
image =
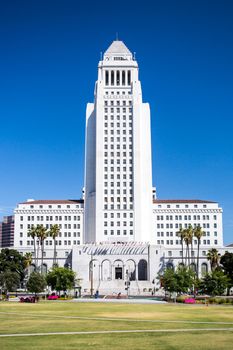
(52, 297)
(190, 301)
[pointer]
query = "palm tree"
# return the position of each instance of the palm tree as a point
(42, 234)
(188, 238)
(33, 233)
(181, 234)
(198, 233)
(214, 257)
(54, 232)
(28, 261)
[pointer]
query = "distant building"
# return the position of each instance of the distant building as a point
(7, 231)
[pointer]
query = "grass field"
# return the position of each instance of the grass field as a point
(160, 326)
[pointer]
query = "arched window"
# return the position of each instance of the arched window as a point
(118, 77)
(94, 269)
(131, 270)
(129, 77)
(32, 268)
(204, 269)
(170, 265)
(193, 267)
(44, 269)
(142, 270)
(112, 77)
(106, 77)
(123, 77)
(106, 270)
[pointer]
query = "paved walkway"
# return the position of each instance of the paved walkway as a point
(124, 301)
(120, 332)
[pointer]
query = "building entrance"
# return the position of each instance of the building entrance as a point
(118, 273)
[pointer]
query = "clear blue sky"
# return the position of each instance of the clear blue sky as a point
(49, 52)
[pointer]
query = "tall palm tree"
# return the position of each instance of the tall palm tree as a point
(33, 234)
(42, 234)
(54, 232)
(214, 257)
(198, 233)
(188, 239)
(28, 261)
(181, 234)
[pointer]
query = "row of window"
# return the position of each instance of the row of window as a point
(118, 223)
(114, 92)
(203, 225)
(51, 218)
(117, 131)
(31, 243)
(118, 215)
(66, 234)
(117, 103)
(185, 217)
(117, 78)
(118, 109)
(117, 117)
(118, 206)
(118, 232)
(48, 226)
(118, 161)
(124, 191)
(53, 206)
(162, 234)
(118, 169)
(118, 184)
(118, 146)
(117, 177)
(178, 206)
(171, 242)
(118, 154)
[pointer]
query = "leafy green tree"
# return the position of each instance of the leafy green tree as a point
(11, 260)
(168, 281)
(61, 279)
(214, 283)
(9, 281)
(226, 261)
(180, 281)
(36, 283)
(185, 279)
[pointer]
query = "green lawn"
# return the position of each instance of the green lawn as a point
(50, 317)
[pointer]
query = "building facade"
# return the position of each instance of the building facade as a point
(7, 231)
(119, 237)
(118, 177)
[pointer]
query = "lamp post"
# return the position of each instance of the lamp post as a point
(91, 274)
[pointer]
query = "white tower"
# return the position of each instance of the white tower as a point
(118, 176)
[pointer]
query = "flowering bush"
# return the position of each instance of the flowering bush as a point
(52, 297)
(190, 301)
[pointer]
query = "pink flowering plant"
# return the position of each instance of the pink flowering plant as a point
(190, 301)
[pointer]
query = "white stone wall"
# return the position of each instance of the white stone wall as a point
(69, 216)
(118, 203)
(169, 216)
